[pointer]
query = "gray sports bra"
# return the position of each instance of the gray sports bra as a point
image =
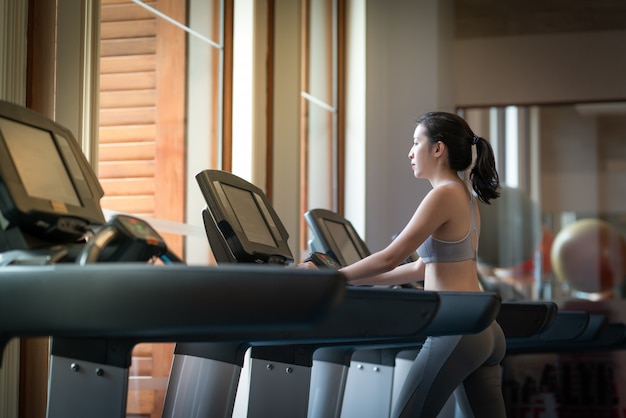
(437, 251)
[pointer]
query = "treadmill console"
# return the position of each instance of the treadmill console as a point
(335, 236)
(240, 223)
(323, 260)
(125, 238)
(49, 194)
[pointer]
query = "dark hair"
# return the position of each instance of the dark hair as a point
(458, 137)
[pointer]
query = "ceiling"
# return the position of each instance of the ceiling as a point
(495, 18)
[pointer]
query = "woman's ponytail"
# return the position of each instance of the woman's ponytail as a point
(484, 177)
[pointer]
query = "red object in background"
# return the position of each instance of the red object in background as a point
(528, 266)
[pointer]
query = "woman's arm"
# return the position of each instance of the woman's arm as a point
(406, 273)
(434, 211)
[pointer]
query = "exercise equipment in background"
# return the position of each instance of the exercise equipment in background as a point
(590, 255)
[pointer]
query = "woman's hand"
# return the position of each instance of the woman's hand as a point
(307, 265)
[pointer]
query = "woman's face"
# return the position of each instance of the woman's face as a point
(420, 152)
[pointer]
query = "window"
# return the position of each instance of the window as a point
(322, 139)
(162, 118)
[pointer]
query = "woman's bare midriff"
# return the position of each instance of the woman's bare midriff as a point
(458, 276)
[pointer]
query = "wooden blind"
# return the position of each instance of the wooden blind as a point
(127, 108)
(141, 149)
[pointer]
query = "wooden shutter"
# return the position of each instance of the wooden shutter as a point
(141, 151)
(127, 151)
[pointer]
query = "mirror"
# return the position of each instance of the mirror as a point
(570, 160)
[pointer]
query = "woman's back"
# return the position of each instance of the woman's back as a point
(450, 252)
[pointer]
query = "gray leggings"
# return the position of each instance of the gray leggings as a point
(466, 365)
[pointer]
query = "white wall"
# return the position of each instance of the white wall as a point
(409, 71)
(557, 68)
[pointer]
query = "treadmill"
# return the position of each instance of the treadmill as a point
(69, 274)
(368, 316)
(381, 373)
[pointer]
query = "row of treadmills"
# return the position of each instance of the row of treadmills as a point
(316, 347)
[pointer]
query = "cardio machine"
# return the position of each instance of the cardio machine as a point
(58, 277)
(241, 225)
(381, 373)
(49, 208)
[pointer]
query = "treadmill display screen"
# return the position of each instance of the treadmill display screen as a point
(38, 163)
(342, 239)
(249, 215)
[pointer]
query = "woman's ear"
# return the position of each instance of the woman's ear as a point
(439, 148)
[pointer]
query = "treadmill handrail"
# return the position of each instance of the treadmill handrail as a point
(537, 317)
(161, 303)
(567, 327)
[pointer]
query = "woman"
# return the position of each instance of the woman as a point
(444, 229)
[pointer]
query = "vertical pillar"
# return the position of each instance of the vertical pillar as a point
(13, 29)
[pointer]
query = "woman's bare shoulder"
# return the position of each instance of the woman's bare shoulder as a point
(448, 191)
